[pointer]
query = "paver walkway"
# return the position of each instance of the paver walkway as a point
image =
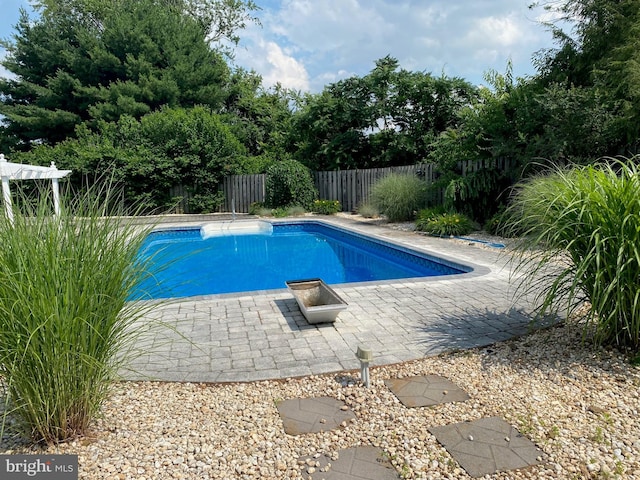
(263, 335)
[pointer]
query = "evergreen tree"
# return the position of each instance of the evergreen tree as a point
(85, 61)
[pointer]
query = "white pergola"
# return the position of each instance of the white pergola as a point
(18, 171)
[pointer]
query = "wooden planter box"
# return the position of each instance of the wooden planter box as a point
(317, 300)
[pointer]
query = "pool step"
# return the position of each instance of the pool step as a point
(236, 227)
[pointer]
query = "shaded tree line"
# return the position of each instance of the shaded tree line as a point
(145, 90)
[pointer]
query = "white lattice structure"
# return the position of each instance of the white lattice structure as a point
(18, 171)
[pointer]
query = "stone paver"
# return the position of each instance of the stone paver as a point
(312, 415)
(357, 463)
(263, 335)
(487, 445)
(425, 391)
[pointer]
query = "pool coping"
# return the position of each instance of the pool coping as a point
(263, 335)
(477, 270)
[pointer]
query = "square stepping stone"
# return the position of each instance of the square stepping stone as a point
(358, 463)
(487, 445)
(425, 391)
(311, 415)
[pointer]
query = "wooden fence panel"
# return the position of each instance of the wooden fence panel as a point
(350, 187)
(181, 196)
(240, 191)
(350, 200)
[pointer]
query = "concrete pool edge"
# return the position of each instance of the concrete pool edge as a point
(262, 335)
(339, 223)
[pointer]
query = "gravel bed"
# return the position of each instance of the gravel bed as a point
(579, 405)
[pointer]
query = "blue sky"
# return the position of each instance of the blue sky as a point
(306, 44)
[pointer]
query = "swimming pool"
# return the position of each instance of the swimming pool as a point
(229, 257)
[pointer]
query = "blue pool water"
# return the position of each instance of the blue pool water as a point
(242, 261)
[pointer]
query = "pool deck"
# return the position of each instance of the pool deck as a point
(263, 335)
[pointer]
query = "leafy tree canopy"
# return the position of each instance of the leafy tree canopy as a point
(86, 61)
(260, 118)
(385, 118)
(601, 51)
(147, 157)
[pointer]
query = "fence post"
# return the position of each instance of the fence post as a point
(350, 187)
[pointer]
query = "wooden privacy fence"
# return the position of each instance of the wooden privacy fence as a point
(240, 191)
(350, 187)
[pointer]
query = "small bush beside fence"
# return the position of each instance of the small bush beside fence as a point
(349, 187)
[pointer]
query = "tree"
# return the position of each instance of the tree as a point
(603, 53)
(329, 130)
(86, 61)
(260, 118)
(146, 157)
(219, 19)
(524, 122)
(385, 118)
(222, 19)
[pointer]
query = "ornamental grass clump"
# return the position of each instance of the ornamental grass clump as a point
(65, 318)
(581, 242)
(399, 196)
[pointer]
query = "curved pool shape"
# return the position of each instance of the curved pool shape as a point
(227, 257)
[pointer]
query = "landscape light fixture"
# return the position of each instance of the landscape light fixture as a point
(365, 355)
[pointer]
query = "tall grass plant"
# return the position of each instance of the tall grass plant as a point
(581, 242)
(399, 196)
(65, 318)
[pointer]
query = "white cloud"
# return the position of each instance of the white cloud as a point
(4, 73)
(284, 69)
(307, 44)
(326, 78)
(337, 38)
(500, 31)
(275, 63)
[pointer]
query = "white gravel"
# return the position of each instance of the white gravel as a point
(579, 405)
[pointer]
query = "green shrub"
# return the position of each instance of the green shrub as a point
(399, 196)
(280, 212)
(265, 212)
(64, 312)
(256, 208)
(289, 183)
(368, 211)
(582, 231)
(193, 147)
(431, 212)
(296, 211)
(208, 203)
(478, 193)
(326, 207)
(445, 224)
